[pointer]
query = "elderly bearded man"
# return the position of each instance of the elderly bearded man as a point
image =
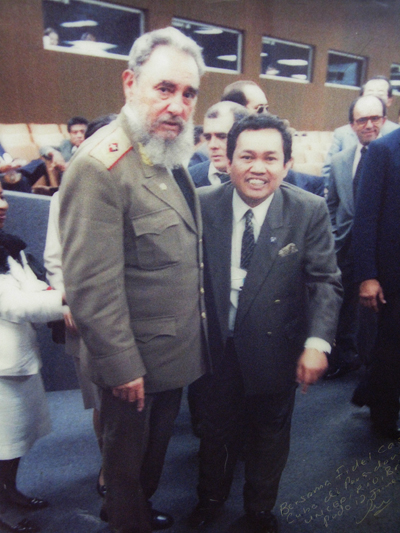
(131, 233)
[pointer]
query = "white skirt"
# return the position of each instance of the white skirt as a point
(24, 414)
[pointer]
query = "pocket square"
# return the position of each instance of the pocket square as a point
(288, 249)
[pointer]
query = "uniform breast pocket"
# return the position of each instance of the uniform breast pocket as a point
(158, 241)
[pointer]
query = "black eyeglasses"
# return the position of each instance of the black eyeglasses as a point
(262, 108)
(363, 121)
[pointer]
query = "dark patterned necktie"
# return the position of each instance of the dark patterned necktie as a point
(357, 175)
(248, 241)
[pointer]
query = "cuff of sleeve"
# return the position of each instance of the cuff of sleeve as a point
(318, 344)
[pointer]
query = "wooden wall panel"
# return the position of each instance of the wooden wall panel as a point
(38, 85)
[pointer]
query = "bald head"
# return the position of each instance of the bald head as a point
(379, 86)
(248, 94)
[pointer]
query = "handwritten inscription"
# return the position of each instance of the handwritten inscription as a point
(364, 488)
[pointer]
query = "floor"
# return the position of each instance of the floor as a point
(340, 477)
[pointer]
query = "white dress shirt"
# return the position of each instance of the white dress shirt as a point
(213, 175)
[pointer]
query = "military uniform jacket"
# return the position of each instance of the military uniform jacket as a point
(132, 262)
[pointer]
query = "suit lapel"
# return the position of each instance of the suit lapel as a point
(270, 241)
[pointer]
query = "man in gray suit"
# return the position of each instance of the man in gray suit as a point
(273, 296)
(345, 137)
(132, 257)
(367, 117)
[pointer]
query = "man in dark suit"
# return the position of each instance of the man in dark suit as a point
(376, 245)
(367, 115)
(218, 121)
(273, 299)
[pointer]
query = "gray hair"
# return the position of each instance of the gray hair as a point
(143, 47)
(223, 108)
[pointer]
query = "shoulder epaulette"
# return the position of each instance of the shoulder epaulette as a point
(112, 148)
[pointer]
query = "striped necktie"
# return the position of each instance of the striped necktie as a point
(248, 241)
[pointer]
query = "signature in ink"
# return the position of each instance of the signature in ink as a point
(375, 509)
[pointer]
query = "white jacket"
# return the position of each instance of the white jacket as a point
(23, 300)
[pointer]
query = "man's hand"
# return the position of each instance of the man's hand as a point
(70, 324)
(57, 160)
(310, 367)
(15, 164)
(371, 294)
(132, 392)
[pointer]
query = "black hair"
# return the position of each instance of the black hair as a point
(197, 132)
(76, 120)
(98, 123)
(260, 122)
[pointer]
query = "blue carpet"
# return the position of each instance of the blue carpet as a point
(340, 478)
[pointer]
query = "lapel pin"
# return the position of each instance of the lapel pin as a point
(273, 239)
(163, 187)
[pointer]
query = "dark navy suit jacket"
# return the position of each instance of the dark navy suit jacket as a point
(199, 174)
(376, 229)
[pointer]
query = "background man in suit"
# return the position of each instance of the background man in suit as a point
(218, 121)
(131, 234)
(344, 137)
(273, 301)
(376, 245)
(367, 115)
(249, 95)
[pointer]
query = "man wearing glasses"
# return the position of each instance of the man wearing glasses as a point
(344, 137)
(367, 115)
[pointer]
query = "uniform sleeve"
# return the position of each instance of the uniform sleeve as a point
(92, 236)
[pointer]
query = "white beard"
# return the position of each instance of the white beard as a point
(169, 153)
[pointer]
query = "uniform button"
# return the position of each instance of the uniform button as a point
(203, 315)
(277, 302)
(202, 265)
(269, 333)
(200, 241)
(202, 290)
